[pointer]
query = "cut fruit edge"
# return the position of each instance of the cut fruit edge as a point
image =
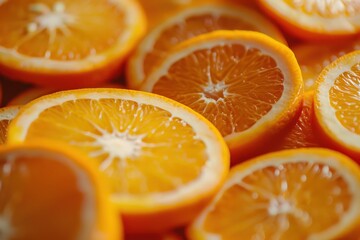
(323, 110)
(349, 170)
(213, 173)
(324, 27)
(107, 221)
(135, 69)
(136, 25)
(288, 104)
(9, 112)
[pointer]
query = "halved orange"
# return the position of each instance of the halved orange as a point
(315, 19)
(50, 192)
(292, 194)
(314, 57)
(67, 43)
(187, 24)
(302, 133)
(337, 103)
(246, 83)
(6, 115)
(162, 160)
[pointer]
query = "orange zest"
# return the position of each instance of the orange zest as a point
(337, 104)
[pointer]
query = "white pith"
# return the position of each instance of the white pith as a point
(147, 44)
(315, 22)
(8, 113)
(208, 178)
(277, 108)
(55, 18)
(327, 114)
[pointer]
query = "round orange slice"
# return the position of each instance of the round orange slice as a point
(315, 19)
(53, 193)
(6, 115)
(337, 104)
(187, 24)
(314, 57)
(247, 84)
(162, 160)
(67, 43)
(292, 194)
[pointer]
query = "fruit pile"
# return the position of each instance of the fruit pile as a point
(179, 119)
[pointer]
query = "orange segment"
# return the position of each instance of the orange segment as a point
(337, 103)
(67, 39)
(48, 193)
(139, 141)
(313, 58)
(292, 194)
(245, 83)
(6, 115)
(315, 19)
(187, 24)
(302, 133)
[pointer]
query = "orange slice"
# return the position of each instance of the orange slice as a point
(67, 43)
(187, 24)
(302, 133)
(6, 115)
(314, 57)
(48, 193)
(162, 160)
(247, 84)
(32, 93)
(337, 103)
(315, 19)
(291, 194)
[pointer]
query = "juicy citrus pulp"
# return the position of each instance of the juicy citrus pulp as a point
(157, 155)
(315, 19)
(56, 43)
(293, 194)
(245, 83)
(48, 193)
(336, 102)
(188, 24)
